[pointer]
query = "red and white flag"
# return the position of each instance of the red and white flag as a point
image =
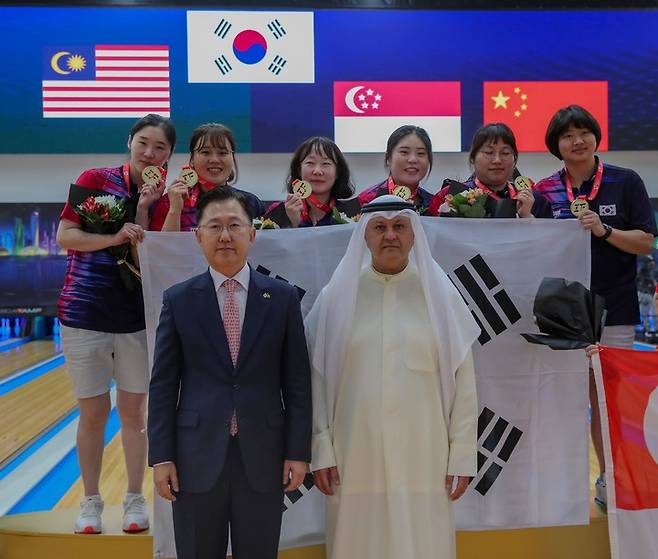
(627, 383)
(365, 113)
(113, 81)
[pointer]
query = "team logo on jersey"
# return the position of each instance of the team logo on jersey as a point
(610, 209)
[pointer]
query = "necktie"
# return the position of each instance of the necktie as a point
(231, 317)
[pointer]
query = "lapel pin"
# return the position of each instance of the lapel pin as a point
(266, 295)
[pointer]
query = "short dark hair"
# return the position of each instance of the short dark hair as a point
(158, 121)
(219, 195)
(491, 133)
(215, 135)
(573, 115)
(402, 132)
(342, 187)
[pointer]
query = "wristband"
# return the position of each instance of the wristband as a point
(608, 232)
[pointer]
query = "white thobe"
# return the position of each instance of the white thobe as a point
(388, 435)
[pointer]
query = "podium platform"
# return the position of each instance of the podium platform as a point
(48, 535)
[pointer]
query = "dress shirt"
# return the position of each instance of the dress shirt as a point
(241, 290)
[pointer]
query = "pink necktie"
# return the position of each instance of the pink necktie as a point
(231, 319)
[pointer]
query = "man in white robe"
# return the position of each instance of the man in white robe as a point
(394, 400)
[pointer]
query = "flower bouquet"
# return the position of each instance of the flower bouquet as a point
(264, 223)
(468, 203)
(342, 217)
(105, 214)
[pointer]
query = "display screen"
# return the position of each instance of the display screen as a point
(82, 76)
(31, 264)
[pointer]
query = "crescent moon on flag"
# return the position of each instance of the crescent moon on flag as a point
(54, 62)
(651, 425)
(349, 99)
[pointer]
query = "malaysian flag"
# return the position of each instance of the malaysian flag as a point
(106, 81)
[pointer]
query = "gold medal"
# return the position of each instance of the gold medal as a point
(522, 183)
(151, 175)
(579, 206)
(302, 189)
(402, 191)
(189, 177)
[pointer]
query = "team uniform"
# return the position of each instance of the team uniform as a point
(623, 203)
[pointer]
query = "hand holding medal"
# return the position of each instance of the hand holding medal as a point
(153, 185)
(152, 175)
(301, 189)
(525, 199)
(580, 204)
(188, 177)
(523, 183)
(179, 190)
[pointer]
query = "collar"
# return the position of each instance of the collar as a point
(380, 277)
(562, 172)
(242, 277)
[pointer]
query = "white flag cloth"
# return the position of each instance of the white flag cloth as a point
(533, 428)
(250, 47)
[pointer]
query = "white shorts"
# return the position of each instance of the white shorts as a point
(93, 359)
(618, 336)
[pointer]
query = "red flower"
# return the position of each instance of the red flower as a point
(90, 205)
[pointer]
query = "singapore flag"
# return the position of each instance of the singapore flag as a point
(365, 113)
(627, 383)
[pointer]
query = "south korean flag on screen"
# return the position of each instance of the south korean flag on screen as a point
(250, 47)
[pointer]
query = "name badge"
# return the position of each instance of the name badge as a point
(610, 209)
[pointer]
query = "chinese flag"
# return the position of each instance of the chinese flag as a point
(630, 379)
(527, 107)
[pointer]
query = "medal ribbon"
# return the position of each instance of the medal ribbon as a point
(326, 208)
(492, 193)
(598, 177)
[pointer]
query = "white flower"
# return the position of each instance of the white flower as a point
(445, 208)
(108, 200)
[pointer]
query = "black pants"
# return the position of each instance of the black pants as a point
(202, 520)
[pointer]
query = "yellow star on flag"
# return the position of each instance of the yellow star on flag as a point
(517, 90)
(517, 114)
(500, 100)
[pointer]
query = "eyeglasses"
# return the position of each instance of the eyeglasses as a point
(219, 153)
(216, 229)
(492, 155)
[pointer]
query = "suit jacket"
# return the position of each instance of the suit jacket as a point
(195, 387)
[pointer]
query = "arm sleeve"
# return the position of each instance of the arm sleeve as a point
(87, 179)
(164, 388)
(368, 195)
(541, 208)
(641, 215)
(322, 453)
(296, 385)
(462, 431)
(159, 215)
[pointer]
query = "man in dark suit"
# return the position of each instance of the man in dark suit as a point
(229, 423)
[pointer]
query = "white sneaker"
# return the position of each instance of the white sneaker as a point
(601, 492)
(89, 518)
(135, 515)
